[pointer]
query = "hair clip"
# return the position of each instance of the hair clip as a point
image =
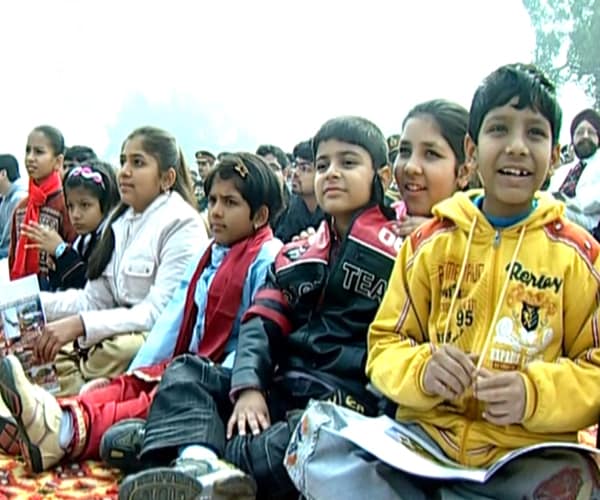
(241, 169)
(87, 172)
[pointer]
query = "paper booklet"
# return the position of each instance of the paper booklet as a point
(22, 321)
(403, 449)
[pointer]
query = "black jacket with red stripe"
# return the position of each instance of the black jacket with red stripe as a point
(314, 311)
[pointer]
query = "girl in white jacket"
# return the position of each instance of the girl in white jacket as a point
(140, 258)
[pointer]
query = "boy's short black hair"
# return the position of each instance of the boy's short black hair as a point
(11, 165)
(361, 132)
(358, 131)
(304, 150)
(253, 178)
(79, 154)
(524, 81)
(277, 152)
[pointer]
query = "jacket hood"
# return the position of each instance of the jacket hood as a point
(461, 209)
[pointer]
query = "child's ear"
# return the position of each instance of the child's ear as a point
(471, 151)
(261, 217)
(464, 174)
(385, 175)
(554, 158)
(470, 167)
(167, 179)
(60, 160)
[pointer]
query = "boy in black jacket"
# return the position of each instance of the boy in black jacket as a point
(304, 337)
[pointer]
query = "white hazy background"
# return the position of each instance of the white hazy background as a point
(229, 75)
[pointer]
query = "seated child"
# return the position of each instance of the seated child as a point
(202, 317)
(149, 240)
(304, 337)
(490, 319)
(430, 162)
(44, 205)
(91, 193)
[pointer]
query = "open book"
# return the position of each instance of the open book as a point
(325, 426)
(22, 321)
(400, 447)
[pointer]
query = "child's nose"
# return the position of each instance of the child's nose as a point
(217, 209)
(516, 146)
(413, 166)
(333, 169)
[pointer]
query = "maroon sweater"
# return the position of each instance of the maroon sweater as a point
(54, 215)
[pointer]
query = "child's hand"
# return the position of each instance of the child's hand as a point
(43, 237)
(408, 224)
(449, 372)
(504, 394)
(55, 336)
(305, 234)
(251, 410)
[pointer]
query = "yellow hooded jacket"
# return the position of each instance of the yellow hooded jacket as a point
(531, 289)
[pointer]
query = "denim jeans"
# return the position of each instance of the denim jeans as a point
(192, 406)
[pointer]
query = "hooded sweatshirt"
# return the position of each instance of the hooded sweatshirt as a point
(524, 298)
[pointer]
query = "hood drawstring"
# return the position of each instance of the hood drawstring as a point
(489, 336)
(461, 276)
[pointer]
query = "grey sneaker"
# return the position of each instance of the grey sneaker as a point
(190, 479)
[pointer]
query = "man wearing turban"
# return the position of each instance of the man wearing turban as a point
(578, 184)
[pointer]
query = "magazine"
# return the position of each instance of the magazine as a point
(400, 447)
(22, 321)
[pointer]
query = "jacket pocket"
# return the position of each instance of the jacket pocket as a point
(138, 277)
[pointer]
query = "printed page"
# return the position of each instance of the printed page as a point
(542, 446)
(22, 321)
(399, 447)
(396, 446)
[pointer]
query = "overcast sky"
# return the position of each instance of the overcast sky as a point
(228, 75)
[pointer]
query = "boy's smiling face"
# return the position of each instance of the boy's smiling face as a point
(513, 155)
(343, 180)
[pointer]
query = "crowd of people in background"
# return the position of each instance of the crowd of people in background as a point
(447, 274)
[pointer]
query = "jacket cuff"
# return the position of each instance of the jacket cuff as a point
(530, 397)
(421, 373)
(88, 339)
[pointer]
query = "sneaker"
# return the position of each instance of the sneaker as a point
(37, 415)
(121, 445)
(9, 432)
(190, 479)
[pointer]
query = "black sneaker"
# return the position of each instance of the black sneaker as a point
(121, 445)
(190, 479)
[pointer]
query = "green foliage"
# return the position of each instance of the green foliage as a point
(568, 41)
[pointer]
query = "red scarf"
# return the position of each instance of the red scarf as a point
(224, 297)
(27, 260)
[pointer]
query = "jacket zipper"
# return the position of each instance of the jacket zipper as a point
(473, 405)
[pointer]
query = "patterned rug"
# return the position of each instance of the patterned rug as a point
(88, 480)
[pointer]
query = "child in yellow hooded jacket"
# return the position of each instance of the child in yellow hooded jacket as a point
(487, 336)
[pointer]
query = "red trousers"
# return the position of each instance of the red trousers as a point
(125, 397)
